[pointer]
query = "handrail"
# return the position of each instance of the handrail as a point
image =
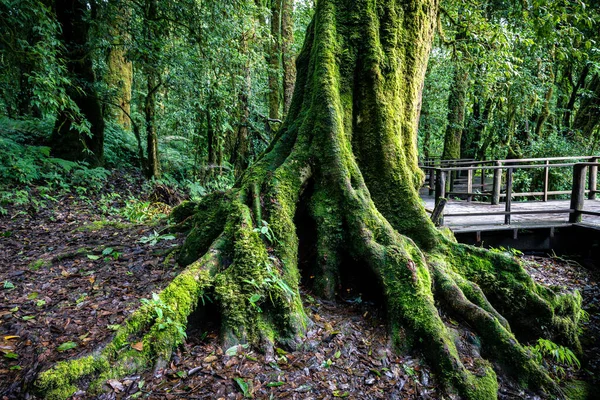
(513, 160)
(578, 189)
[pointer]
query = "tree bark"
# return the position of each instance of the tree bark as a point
(288, 57)
(587, 117)
(152, 85)
(545, 113)
(119, 77)
(573, 98)
(275, 60)
(67, 140)
(341, 177)
(456, 113)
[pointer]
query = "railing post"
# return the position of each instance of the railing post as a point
(509, 184)
(497, 184)
(452, 175)
(440, 193)
(469, 184)
(546, 176)
(431, 180)
(577, 192)
(440, 185)
(593, 179)
(482, 179)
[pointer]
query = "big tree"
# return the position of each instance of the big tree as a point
(340, 182)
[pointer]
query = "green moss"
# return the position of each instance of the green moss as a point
(183, 211)
(578, 390)
(37, 264)
(484, 386)
(59, 382)
(207, 224)
(101, 224)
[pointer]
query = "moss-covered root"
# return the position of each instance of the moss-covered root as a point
(498, 341)
(415, 320)
(149, 334)
(257, 301)
(532, 310)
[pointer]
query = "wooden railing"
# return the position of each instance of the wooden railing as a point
(442, 177)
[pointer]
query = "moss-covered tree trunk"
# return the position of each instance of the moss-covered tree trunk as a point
(274, 58)
(119, 76)
(457, 102)
(341, 176)
(68, 140)
(287, 55)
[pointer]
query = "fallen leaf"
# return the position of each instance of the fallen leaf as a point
(116, 385)
(139, 346)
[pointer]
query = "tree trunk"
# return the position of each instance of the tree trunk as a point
(153, 163)
(587, 117)
(571, 104)
(341, 177)
(119, 77)
(545, 113)
(456, 113)
(67, 140)
(288, 57)
(275, 59)
(152, 86)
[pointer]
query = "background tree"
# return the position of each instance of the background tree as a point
(78, 135)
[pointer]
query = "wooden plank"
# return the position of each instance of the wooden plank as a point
(532, 212)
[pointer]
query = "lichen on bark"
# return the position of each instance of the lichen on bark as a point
(346, 159)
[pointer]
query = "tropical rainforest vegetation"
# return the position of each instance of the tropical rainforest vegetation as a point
(293, 129)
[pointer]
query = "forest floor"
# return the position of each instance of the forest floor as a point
(72, 268)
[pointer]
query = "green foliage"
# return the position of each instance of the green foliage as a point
(155, 237)
(557, 356)
(138, 211)
(25, 164)
(164, 315)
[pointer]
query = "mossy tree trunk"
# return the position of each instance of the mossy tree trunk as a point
(457, 102)
(344, 167)
(119, 76)
(68, 140)
(287, 56)
(274, 59)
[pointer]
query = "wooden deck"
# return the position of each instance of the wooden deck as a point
(494, 222)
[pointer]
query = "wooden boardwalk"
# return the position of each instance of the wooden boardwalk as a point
(494, 222)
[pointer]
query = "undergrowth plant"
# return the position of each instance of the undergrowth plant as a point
(555, 356)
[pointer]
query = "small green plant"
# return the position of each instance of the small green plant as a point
(108, 203)
(8, 285)
(155, 237)
(143, 211)
(163, 314)
(245, 387)
(66, 346)
(267, 232)
(559, 356)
